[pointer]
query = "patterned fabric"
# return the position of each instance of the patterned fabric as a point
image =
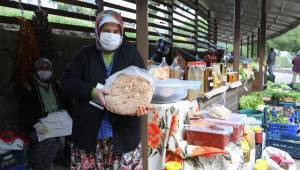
(42, 154)
(104, 159)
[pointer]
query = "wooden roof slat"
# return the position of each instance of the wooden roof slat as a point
(29, 7)
(161, 18)
(78, 3)
(158, 9)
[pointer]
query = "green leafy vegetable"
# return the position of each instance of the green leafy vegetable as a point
(251, 101)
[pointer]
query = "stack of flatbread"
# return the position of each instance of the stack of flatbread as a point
(127, 93)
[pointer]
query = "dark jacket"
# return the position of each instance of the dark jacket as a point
(271, 58)
(81, 75)
(296, 64)
(31, 107)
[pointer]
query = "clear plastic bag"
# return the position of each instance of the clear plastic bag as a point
(132, 71)
(272, 165)
(218, 111)
(160, 72)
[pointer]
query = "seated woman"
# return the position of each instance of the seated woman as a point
(39, 98)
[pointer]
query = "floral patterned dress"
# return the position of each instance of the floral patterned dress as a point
(105, 159)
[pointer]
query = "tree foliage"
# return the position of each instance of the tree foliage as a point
(289, 41)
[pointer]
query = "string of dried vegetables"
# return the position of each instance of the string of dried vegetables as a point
(27, 52)
(43, 33)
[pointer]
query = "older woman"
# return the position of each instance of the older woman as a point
(102, 139)
(39, 98)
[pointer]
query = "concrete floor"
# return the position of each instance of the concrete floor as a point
(284, 77)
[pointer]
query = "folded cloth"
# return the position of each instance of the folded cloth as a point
(58, 124)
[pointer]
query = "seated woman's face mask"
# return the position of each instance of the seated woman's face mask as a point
(110, 41)
(44, 75)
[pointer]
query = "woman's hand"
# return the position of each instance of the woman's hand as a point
(142, 110)
(100, 93)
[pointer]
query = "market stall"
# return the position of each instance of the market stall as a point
(179, 107)
(166, 129)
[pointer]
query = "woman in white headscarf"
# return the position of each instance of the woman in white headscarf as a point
(102, 139)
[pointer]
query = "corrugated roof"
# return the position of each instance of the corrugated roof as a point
(282, 16)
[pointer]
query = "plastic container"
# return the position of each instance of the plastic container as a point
(252, 113)
(261, 164)
(236, 121)
(172, 90)
(172, 165)
(218, 137)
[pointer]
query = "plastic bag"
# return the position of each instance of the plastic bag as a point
(160, 72)
(219, 112)
(272, 165)
(129, 89)
(133, 71)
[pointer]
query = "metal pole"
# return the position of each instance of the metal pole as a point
(252, 44)
(263, 43)
(236, 53)
(142, 46)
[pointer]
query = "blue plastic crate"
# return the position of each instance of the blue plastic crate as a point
(18, 167)
(297, 114)
(282, 128)
(283, 142)
(287, 104)
(12, 160)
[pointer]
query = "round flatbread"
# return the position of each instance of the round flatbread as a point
(127, 93)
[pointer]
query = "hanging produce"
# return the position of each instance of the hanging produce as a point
(43, 33)
(27, 51)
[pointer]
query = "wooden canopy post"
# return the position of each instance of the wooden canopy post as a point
(262, 44)
(247, 46)
(236, 50)
(258, 42)
(241, 47)
(142, 46)
(252, 44)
